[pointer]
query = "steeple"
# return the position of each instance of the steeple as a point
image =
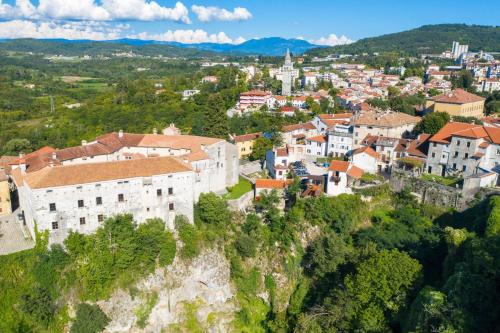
(288, 59)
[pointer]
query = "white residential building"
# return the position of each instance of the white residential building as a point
(340, 140)
(146, 175)
(342, 176)
(316, 145)
(366, 159)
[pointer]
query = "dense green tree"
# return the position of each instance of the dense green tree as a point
(89, 319)
(431, 123)
(380, 288)
(16, 146)
(39, 305)
(212, 209)
(260, 147)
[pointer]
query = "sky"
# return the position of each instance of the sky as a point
(319, 21)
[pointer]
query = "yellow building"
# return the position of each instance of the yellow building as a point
(5, 205)
(245, 143)
(457, 103)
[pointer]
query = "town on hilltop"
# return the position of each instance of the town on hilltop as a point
(162, 186)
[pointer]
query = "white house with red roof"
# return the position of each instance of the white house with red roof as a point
(341, 177)
(317, 145)
(366, 159)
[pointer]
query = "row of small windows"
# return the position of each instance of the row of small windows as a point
(100, 218)
(121, 198)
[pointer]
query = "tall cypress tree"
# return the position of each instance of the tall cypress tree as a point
(216, 121)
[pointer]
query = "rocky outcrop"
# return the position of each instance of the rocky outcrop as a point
(203, 284)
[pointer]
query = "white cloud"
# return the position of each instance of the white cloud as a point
(141, 10)
(146, 10)
(332, 40)
(207, 14)
(54, 29)
(188, 37)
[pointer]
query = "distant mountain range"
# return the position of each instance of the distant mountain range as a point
(424, 40)
(272, 46)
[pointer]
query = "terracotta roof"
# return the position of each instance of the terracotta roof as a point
(317, 138)
(272, 183)
(341, 166)
(256, 93)
(335, 116)
(419, 146)
(445, 133)
(457, 96)
(98, 172)
(484, 145)
(355, 172)
(294, 127)
(246, 137)
(36, 160)
(287, 108)
(367, 150)
(493, 134)
(385, 119)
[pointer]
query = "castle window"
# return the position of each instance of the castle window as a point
(55, 225)
(170, 206)
(158, 192)
(170, 190)
(82, 220)
(121, 198)
(100, 218)
(52, 207)
(98, 201)
(80, 203)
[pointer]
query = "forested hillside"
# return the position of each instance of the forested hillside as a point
(338, 264)
(93, 48)
(424, 40)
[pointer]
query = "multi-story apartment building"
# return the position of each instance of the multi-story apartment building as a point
(465, 149)
(457, 103)
(147, 175)
(254, 98)
(340, 140)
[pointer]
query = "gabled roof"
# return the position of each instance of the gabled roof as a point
(385, 119)
(367, 150)
(97, 172)
(445, 133)
(457, 96)
(317, 138)
(355, 172)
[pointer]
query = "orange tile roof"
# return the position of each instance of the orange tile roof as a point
(246, 137)
(445, 133)
(457, 96)
(272, 183)
(317, 138)
(355, 172)
(255, 93)
(493, 134)
(341, 166)
(368, 150)
(98, 172)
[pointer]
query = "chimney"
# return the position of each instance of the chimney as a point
(84, 142)
(54, 156)
(155, 131)
(120, 133)
(21, 154)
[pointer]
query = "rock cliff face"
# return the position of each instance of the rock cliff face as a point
(199, 292)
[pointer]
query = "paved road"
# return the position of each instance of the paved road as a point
(11, 236)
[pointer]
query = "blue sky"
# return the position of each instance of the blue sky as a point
(233, 21)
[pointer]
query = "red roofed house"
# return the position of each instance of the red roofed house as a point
(316, 145)
(367, 159)
(342, 176)
(245, 143)
(267, 185)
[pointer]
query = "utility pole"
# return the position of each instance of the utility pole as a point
(52, 107)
